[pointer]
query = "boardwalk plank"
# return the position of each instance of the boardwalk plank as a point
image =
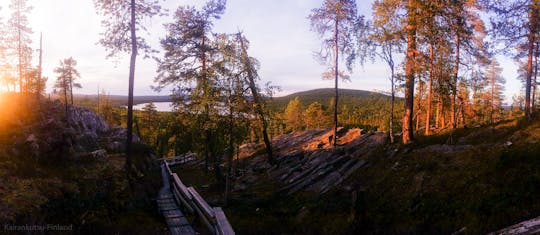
(176, 221)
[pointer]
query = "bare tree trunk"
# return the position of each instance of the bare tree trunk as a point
(438, 112)
(336, 31)
(208, 133)
(66, 99)
(130, 91)
(418, 115)
(392, 104)
(257, 101)
(38, 83)
(230, 155)
(71, 88)
(454, 89)
(443, 114)
(19, 45)
(492, 108)
(535, 80)
(408, 135)
(530, 47)
(430, 88)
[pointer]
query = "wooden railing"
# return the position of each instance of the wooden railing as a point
(213, 217)
(182, 159)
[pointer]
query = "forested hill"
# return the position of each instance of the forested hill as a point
(325, 96)
(120, 100)
(322, 95)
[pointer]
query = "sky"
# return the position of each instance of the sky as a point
(278, 31)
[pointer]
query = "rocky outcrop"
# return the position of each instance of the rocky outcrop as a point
(307, 162)
(84, 132)
(85, 120)
(527, 227)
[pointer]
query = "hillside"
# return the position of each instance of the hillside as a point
(488, 180)
(71, 171)
(324, 96)
(120, 100)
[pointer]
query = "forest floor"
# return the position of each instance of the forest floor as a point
(488, 179)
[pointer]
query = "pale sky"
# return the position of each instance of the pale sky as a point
(277, 29)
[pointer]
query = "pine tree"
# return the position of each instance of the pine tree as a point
(336, 22)
(187, 62)
(67, 74)
(123, 18)
(496, 89)
(314, 116)
(19, 38)
(293, 115)
(387, 37)
(514, 24)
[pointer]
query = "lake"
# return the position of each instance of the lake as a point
(160, 106)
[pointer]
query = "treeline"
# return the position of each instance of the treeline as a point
(370, 113)
(450, 60)
(17, 73)
(449, 54)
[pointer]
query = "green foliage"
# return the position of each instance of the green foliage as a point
(293, 115)
(359, 109)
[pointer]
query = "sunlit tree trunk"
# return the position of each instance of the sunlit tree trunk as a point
(430, 88)
(257, 101)
(408, 135)
(438, 113)
(528, 79)
(535, 80)
(336, 31)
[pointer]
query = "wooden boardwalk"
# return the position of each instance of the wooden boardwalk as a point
(177, 222)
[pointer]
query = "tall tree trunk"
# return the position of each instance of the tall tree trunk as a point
(257, 101)
(129, 153)
(230, 155)
(408, 135)
(529, 77)
(535, 80)
(530, 48)
(206, 89)
(71, 88)
(438, 112)
(443, 114)
(454, 89)
(492, 108)
(419, 105)
(430, 88)
(392, 103)
(66, 99)
(19, 45)
(336, 73)
(39, 78)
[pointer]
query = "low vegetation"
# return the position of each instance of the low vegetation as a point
(484, 183)
(55, 173)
